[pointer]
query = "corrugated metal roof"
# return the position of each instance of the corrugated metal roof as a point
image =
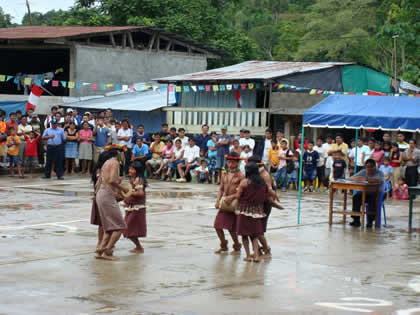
(130, 101)
(253, 70)
(52, 32)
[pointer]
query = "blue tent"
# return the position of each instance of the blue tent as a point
(367, 112)
(361, 112)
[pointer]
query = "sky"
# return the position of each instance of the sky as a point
(17, 8)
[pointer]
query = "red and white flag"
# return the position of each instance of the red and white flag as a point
(238, 98)
(34, 97)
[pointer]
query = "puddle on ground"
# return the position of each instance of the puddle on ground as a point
(67, 193)
(17, 206)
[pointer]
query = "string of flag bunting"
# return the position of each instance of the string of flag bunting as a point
(181, 88)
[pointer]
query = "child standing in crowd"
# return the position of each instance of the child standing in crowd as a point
(31, 151)
(284, 156)
(245, 155)
(85, 147)
(13, 142)
(235, 147)
(71, 148)
(292, 177)
(135, 207)
(273, 156)
(202, 172)
(396, 157)
(310, 162)
(386, 168)
(387, 149)
(400, 190)
(368, 152)
(378, 154)
(320, 167)
(339, 165)
(211, 155)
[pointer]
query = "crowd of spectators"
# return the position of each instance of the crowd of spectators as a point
(69, 143)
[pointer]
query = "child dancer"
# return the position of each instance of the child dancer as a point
(135, 207)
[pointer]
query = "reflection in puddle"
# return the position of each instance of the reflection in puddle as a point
(17, 206)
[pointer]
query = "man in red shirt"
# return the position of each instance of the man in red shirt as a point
(11, 123)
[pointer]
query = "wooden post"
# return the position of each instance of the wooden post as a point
(130, 40)
(124, 40)
(112, 39)
(168, 46)
(152, 41)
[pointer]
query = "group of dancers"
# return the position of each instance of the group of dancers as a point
(244, 203)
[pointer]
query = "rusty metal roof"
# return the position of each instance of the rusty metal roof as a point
(253, 70)
(53, 32)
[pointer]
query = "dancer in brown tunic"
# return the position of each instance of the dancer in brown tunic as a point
(252, 193)
(109, 210)
(135, 207)
(226, 220)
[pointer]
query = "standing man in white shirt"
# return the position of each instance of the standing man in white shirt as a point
(247, 140)
(329, 160)
(124, 136)
(264, 146)
(320, 167)
(362, 150)
(191, 155)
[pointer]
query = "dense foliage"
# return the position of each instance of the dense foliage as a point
(300, 30)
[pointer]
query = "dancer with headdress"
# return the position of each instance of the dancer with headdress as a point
(106, 199)
(252, 193)
(226, 217)
(135, 207)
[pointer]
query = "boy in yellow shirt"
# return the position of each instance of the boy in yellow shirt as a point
(273, 156)
(13, 142)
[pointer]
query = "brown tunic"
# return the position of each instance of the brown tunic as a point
(135, 213)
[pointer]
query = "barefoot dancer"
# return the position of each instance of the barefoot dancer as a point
(135, 207)
(226, 220)
(109, 210)
(252, 193)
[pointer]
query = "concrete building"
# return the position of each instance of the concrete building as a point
(103, 55)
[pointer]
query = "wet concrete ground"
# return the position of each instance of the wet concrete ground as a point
(47, 264)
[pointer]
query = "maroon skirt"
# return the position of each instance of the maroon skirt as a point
(225, 221)
(136, 223)
(95, 219)
(248, 226)
(267, 211)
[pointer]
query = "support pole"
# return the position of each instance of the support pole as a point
(355, 155)
(300, 173)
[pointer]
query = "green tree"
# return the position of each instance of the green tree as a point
(5, 19)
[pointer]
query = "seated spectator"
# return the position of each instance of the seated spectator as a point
(172, 134)
(13, 142)
(400, 190)
(164, 133)
(31, 151)
(202, 172)
(140, 151)
(191, 155)
(168, 149)
(71, 152)
(142, 134)
(156, 148)
(85, 137)
(372, 175)
(176, 158)
(182, 137)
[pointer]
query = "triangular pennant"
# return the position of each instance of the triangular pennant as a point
(9, 77)
(63, 83)
(110, 85)
(27, 81)
(236, 86)
(229, 87)
(410, 95)
(275, 85)
(319, 92)
(194, 88)
(171, 88)
(250, 86)
(162, 89)
(244, 86)
(186, 88)
(78, 85)
(103, 86)
(342, 93)
(55, 83)
(352, 93)
(417, 95)
(287, 86)
(312, 92)
(208, 88)
(332, 92)
(222, 87)
(299, 89)
(71, 85)
(201, 88)
(345, 93)
(38, 82)
(178, 89)
(2, 78)
(325, 93)
(94, 86)
(397, 94)
(280, 86)
(131, 88)
(215, 88)
(125, 87)
(117, 87)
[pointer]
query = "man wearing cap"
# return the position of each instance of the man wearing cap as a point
(226, 220)
(72, 119)
(55, 138)
(372, 175)
(222, 145)
(247, 140)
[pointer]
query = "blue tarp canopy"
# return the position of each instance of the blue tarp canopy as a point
(368, 112)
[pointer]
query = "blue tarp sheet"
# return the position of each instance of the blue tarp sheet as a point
(11, 107)
(360, 111)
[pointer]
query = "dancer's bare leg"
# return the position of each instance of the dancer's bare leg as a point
(223, 242)
(266, 249)
(100, 236)
(108, 253)
(245, 242)
(139, 249)
(236, 244)
(255, 247)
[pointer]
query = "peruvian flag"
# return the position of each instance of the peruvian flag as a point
(34, 97)
(238, 98)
